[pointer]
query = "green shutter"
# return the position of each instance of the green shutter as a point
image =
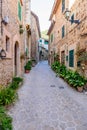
(46, 42)
(66, 58)
(63, 31)
(19, 11)
(72, 19)
(63, 5)
(51, 37)
(26, 51)
(71, 58)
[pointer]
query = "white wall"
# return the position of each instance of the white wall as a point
(42, 44)
(71, 2)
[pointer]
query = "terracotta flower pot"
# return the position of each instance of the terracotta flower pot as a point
(27, 71)
(80, 89)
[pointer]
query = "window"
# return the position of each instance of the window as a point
(40, 40)
(7, 44)
(63, 31)
(63, 5)
(51, 37)
(19, 11)
(71, 58)
(72, 18)
(46, 42)
(26, 52)
(67, 58)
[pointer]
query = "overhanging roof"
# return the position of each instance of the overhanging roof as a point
(55, 7)
(51, 27)
(37, 21)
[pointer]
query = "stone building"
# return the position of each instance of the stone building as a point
(14, 37)
(35, 36)
(43, 49)
(68, 37)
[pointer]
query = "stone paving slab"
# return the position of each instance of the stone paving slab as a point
(43, 107)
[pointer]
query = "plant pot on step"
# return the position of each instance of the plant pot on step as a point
(27, 68)
(27, 71)
(80, 89)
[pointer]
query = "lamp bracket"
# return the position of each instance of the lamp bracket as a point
(75, 21)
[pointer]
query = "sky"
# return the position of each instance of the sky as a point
(42, 8)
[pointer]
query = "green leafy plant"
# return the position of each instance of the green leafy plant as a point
(5, 120)
(14, 85)
(28, 65)
(21, 30)
(73, 78)
(17, 79)
(7, 96)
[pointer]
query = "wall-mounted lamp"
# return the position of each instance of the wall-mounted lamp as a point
(2, 54)
(5, 20)
(67, 16)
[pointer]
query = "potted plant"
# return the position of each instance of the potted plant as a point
(80, 85)
(21, 30)
(27, 67)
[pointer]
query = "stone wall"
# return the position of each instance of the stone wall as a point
(11, 31)
(35, 35)
(75, 35)
(6, 71)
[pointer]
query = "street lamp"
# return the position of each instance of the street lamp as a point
(2, 54)
(67, 16)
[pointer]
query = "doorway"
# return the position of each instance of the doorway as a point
(16, 59)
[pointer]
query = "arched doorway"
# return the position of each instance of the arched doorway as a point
(16, 59)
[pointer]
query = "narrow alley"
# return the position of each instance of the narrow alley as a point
(46, 102)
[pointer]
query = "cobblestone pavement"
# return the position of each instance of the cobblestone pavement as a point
(46, 102)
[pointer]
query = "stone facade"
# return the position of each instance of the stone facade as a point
(12, 39)
(43, 49)
(68, 37)
(35, 36)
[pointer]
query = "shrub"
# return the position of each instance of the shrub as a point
(1, 87)
(17, 79)
(73, 78)
(5, 120)
(14, 85)
(28, 65)
(7, 96)
(29, 62)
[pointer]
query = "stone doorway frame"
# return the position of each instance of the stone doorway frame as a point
(16, 59)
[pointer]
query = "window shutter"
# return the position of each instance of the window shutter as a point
(51, 37)
(63, 5)
(72, 18)
(63, 31)
(66, 58)
(19, 10)
(46, 42)
(71, 58)
(26, 52)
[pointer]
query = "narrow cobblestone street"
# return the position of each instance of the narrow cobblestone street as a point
(46, 102)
